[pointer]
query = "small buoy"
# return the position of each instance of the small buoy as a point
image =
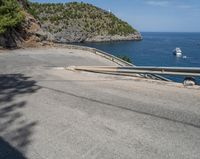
(184, 57)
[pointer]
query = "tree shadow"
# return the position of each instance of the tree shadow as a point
(8, 152)
(15, 129)
(15, 84)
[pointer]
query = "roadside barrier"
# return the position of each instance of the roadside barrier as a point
(115, 59)
(188, 72)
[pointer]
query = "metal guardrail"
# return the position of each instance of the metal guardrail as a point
(115, 59)
(177, 71)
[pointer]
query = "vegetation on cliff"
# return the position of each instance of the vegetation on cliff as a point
(23, 22)
(17, 27)
(11, 15)
(84, 17)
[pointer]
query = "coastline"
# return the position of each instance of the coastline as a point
(108, 38)
(79, 38)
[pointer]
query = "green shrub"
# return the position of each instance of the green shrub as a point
(125, 58)
(11, 15)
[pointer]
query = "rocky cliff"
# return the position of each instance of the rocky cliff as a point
(24, 32)
(81, 22)
(29, 24)
(28, 33)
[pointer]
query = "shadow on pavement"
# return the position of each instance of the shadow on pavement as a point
(8, 152)
(15, 84)
(15, 129)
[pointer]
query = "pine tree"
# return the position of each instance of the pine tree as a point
(11, 15)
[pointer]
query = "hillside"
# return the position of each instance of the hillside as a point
(80, 22)
(24, 24)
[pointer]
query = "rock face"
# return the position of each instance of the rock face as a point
(71, 35)
(74, 36)
(10, 39)
(114, 38)
(29, 33)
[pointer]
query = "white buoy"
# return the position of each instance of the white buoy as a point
(184, 57)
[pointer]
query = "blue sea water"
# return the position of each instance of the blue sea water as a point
(156, 50)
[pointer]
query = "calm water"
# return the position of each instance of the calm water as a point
(156, 49)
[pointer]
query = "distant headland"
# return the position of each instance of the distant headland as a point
(62, 22)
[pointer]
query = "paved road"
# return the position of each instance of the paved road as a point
(54, 113)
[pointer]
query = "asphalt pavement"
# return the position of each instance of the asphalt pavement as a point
(47, 112)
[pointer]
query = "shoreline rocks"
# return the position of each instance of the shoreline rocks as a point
(135, 37)
(81, 37)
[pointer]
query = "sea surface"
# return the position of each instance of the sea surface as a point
(156, 50)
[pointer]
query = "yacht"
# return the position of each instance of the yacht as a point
(177, 52)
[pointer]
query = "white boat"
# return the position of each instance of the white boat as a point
(177, 52)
